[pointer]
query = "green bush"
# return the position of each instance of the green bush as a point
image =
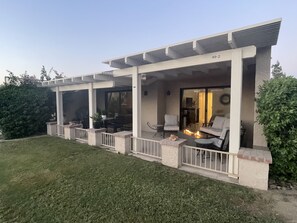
(277, 112)
(24, 110)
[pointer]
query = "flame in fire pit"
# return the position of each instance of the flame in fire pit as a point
(190, 133)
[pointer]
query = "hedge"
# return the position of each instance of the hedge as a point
(277, 112)
(24, 110)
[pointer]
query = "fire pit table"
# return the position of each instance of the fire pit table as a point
(191, 136)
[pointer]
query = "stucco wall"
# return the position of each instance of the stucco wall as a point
(149, 106)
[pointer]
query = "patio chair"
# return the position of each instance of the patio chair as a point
(171, 124)
(157, 128)
(221, 143)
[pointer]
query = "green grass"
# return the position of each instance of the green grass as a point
(49, 179)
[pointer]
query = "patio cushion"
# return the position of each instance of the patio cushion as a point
(171, 128)
(218, 122)
(171, 120)
(226, 123)
(210, 130)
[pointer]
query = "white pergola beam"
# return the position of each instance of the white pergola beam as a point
(67, 80)
(149, 58)
(198, 48)
(169, 52)
(85, 86)
(231, 41)
(77, 80)
(131, 61)
(101, 77)
(221, 56)
(116, 64)
(87, 78)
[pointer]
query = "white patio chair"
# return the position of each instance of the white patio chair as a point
(171, 124)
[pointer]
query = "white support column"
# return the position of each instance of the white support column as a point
(136, 99)
(235, 109)
(59, 106)
(92, 104)
(263, 65)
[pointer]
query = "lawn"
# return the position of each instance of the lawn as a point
(49, 179)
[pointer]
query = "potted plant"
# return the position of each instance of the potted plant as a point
(97, 120)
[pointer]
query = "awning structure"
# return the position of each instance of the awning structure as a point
(259, 35)
(102, 78)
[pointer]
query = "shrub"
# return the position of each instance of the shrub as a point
(24, 110)
(277, 112)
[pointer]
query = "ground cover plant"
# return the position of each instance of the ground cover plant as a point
(49, 179)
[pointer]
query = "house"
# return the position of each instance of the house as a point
(217, 75)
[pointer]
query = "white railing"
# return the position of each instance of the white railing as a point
(207, 159)
(108, 140)
(81, 134)
(146, 147)
(60, 130)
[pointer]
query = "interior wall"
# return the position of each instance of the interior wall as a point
(149, 106)
(217, 107)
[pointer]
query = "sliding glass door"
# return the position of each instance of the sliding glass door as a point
(199, 105)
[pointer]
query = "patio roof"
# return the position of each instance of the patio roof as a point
(103, 78)
(259, 35)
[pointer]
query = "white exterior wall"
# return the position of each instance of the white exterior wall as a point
(263, 64)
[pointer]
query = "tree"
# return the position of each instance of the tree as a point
(277, 70)
(44, 76)
(23, 79)
(58, 75)
(11, 79)
(277, 109)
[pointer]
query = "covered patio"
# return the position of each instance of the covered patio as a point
(188, 80)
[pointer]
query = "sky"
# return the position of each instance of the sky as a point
(75, 36)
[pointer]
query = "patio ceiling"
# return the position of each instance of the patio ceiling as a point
(259, 35)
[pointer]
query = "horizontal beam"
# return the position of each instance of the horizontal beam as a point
(85, 86)
(198, 48)
(131, 62)
(221, 56)
(169, 52)
(149, 58)
(231, 41)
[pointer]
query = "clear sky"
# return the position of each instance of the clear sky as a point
(75, 36)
